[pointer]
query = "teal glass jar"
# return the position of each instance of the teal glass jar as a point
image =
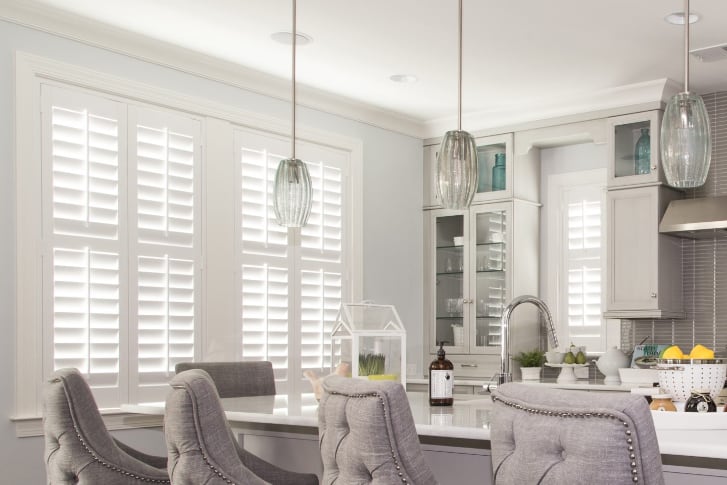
(642, 153)
(498, 172)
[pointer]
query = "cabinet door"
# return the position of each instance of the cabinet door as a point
(449, 285)
(490, 265)
(644, 267)
(633, 147)
(494, 167)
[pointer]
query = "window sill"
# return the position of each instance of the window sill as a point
(33, 426)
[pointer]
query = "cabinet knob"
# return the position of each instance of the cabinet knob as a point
(653, 168)
(653, 295)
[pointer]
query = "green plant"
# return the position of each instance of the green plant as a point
(371, 364)
(533, 358)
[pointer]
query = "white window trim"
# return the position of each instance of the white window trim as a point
(30, 72)
(554, 269)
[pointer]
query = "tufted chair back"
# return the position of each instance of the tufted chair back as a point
(237, 379)
(200, 444)
(550, 436)
(79, 449)
(367, 434)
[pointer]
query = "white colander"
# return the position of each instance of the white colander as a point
(680, 377)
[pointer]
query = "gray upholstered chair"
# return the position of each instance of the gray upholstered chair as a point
(551, 436)
(237, 379)
(367, 434)
(78, 447)
(201, 446)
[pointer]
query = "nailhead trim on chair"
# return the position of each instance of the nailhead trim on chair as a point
(213, 468)
(569, 414)
(109, 465)
(397, 465)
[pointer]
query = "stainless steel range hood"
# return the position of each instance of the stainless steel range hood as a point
(703, 218)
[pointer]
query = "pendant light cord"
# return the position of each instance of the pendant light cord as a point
(686, 45)
(295, 38)
(459, 85)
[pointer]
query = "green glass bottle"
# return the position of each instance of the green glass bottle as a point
(498, 172)
(642, 153)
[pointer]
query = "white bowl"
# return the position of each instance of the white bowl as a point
(554, 357)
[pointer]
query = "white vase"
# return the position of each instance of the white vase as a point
(530, 373)
(609, 364)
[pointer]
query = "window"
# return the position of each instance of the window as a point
(291, 280)
(147, 238)
(120, 217)
(576, 255)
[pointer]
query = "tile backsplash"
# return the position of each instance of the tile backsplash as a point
(704, 264)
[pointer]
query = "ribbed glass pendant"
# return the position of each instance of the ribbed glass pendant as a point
(292, 193)
(457, 170)
(686, 144)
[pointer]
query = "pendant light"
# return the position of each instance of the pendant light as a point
(686, 145)
(457, 158)
(292, 189)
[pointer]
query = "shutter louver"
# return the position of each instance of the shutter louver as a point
(324, 230)
(265, 315)
(320, 302)
(86, 313)
(166, 317)
(85, 173)
(584, 270)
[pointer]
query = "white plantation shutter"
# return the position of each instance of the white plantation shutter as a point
(83, 203)
(583, 264)
(165, 248)
(123, 285)
(291, 281)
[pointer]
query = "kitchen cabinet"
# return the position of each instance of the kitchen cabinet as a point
(489, 149)
(476, 260)
(626, 146)
(644, 267)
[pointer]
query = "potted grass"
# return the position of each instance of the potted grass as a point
(373, 366)
(531, 363)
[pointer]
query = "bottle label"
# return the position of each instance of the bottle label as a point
(442, 384)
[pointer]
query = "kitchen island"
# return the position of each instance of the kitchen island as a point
(283, 429)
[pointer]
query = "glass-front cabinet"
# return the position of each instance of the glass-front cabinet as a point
(633, 142)
(494, 170)
(470, 277)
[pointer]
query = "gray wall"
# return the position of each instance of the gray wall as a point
(704, 264)
(392, 222)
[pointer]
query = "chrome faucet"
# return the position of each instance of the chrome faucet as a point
(505, 375)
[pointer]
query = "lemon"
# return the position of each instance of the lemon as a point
(672, 352)
(701, 352)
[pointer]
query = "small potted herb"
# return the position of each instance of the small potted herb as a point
(531, 363)
(373, 366)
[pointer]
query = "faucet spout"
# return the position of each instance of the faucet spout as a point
(505, 374)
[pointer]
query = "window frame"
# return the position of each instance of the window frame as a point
(216, 121)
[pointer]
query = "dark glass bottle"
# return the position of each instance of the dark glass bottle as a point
(700, 402)
(441, 380)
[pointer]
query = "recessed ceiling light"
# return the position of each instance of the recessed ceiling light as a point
(677, 18)
(404, 78)
(287, 38)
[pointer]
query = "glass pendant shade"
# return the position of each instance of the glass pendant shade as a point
(292, 193)
(686, 146)
(457, 170)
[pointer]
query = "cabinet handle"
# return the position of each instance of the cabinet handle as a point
(653, 168)
(468, 365)
(653, 295)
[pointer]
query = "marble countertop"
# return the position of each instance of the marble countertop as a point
(468, 418)
(580, 384)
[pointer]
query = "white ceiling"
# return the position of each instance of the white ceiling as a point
(520, 57)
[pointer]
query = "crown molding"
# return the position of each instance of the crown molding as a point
(29, 13)
(648, 92)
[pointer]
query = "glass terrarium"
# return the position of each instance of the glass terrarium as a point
(369, 341)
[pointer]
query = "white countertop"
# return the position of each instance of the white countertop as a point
(580, 384)
(468, 418)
